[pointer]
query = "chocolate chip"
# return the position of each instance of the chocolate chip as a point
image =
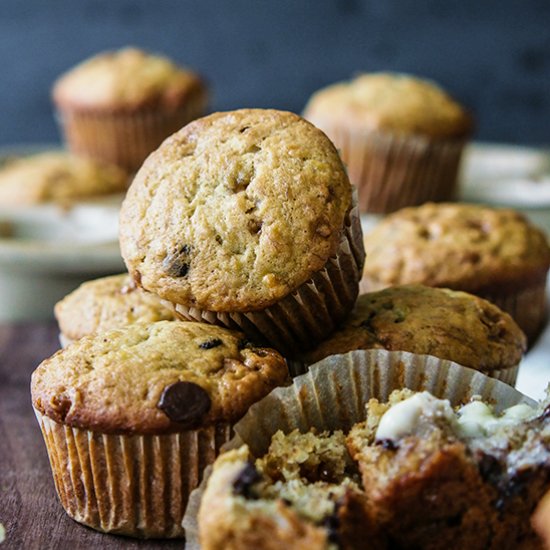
(209, 344)
(332, 525)
(249, 476)
(185, 403)
(490, 468)
(243, 343)
(176, 264)
(388, 444)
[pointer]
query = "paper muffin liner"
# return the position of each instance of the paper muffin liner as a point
(332, 396)
(123, 138)
(136, 485)
(508, 375)
(527, 306)
(392, 171)
(312, 311)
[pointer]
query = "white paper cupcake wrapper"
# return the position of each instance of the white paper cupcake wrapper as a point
(135, 485)
(392, 171)
(333, 393)
(305, 317)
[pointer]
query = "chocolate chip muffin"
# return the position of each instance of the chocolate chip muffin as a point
(417, 473)
(303, 493)
(493, 253)
(57, 177)
(246, 219)
(443, 478)
(445, 323)
(401, 137)
(118, 106)
(132, 416)
(107, 303)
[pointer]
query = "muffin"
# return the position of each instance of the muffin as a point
(246, 219)
(493, 253)
(417, 473)
(132, 416)
(304, 493)
(119, 106)
(400, 137)
(57, 177)
(107, 303)
(439, 478)
(445, 323)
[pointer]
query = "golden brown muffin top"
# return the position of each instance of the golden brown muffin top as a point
(126, 79)
(390, 101)
(107, 303)
(459, 246)
(57, 177)
(444, 323)
(235, 211)
(155, 378)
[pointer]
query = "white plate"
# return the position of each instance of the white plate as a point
(508, 176)
(46, 250)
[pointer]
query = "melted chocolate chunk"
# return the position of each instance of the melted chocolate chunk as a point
(209, 344)
(490, 469)
(244, 482)
(185, 403)
(388, 444)
(176, 264)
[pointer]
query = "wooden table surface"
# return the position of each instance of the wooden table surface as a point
(29, 510)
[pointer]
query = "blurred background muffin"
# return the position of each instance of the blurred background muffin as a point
(57, 177)
(400, 137)
(107, 303)
(118, 106)
(493, 253)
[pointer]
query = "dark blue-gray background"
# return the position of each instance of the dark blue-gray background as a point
(493, 56)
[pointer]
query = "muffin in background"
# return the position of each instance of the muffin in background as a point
(247, 219)
(107, 303)
(57, 177)
(119, 106)
(448, 324)
(541, 520)
(496, 254)
(132, 416)
(400, 137)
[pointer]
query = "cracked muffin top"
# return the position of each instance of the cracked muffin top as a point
(235, 211)
(107, 303)
(462, 246)
(444, 323)
(390, 101)
(155, 378)
(126, 79)
(57, 177)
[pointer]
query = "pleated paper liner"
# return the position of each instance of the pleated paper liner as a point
(392, 171)
(311, 312)
(123, 138)
(332, 395)
(508, 375)
(136, 485)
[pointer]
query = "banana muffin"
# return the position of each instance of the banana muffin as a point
(442, 478)
(107, 303)
(494, 253)
(417, 473)
(118, 106)
(401, 137)
(132, 416)
(57, 177)
(445, 323)
(246, 219)
(304, 493)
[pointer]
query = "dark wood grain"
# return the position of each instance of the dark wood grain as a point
(29, 509)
